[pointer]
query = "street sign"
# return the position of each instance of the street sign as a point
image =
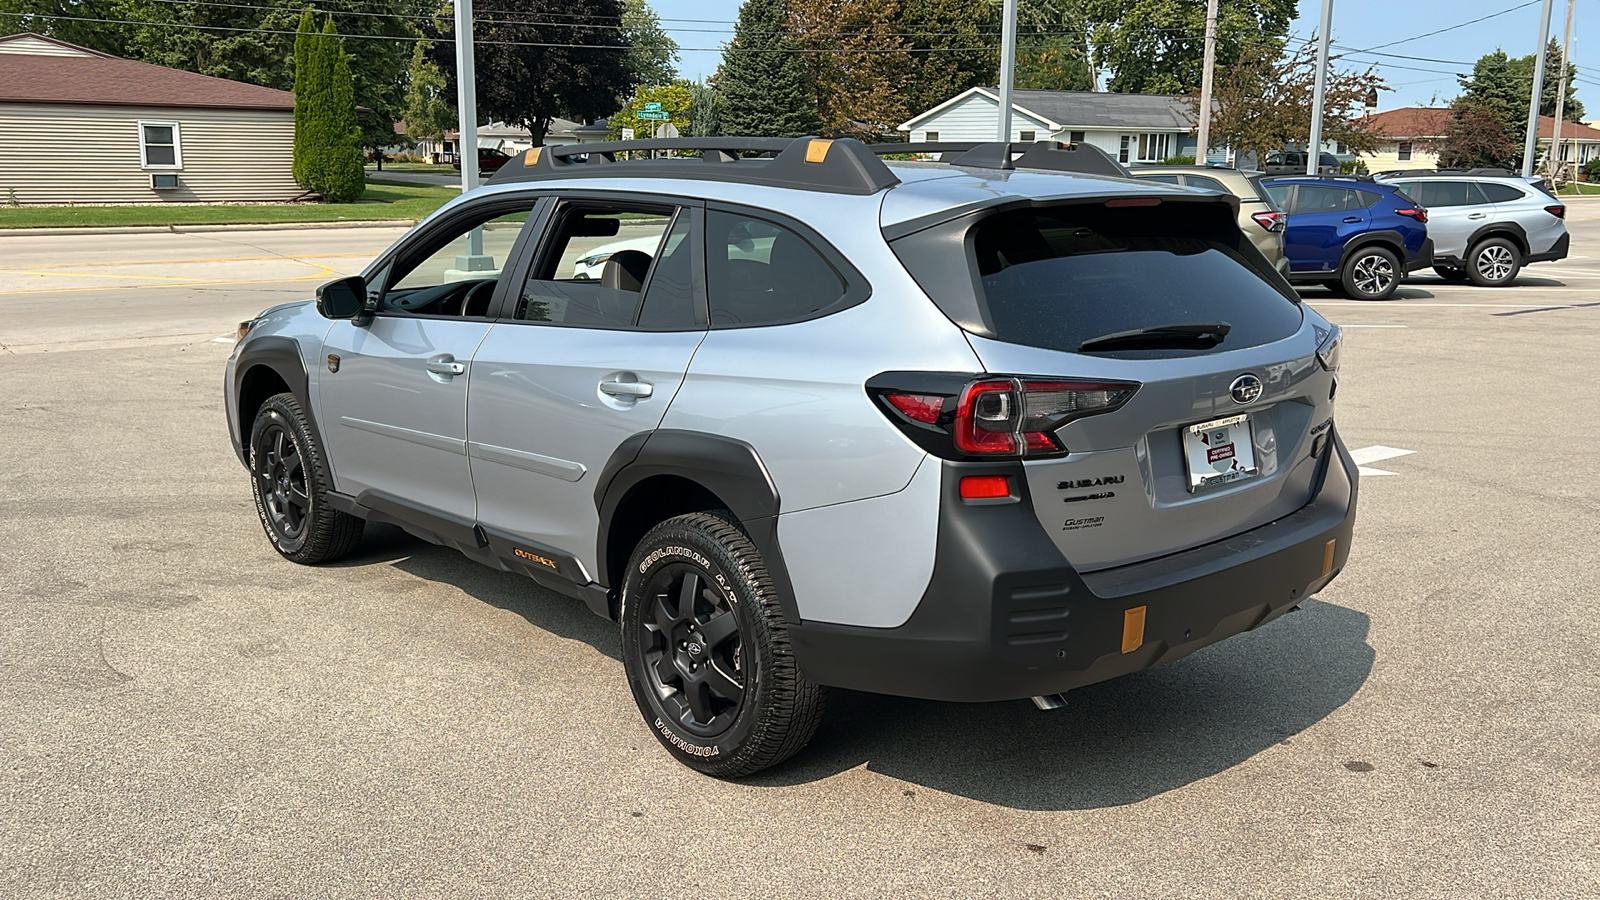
(653, 107)
(627, 134)
(657, 114)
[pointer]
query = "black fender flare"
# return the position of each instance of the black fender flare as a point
(282, 355)
(729, 468)
(1394, 241)
(1509, 230)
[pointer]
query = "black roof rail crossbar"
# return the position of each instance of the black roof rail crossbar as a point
(1051, 156)
(842, 166)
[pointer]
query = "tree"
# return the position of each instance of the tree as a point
(1263, 101)
(1475, 136)
(539, 59)
(854, 63)
(675, 100)
(762, 79)
(953, 47)
(1053, 46)
(653, 57)
(305, 46)
(428, 111)
(326, 132)
(1157, 46)
(1501, 84)
(705, 110)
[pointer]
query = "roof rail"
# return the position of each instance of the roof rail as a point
(842, 166)
(1051, 156)
(1353, 176)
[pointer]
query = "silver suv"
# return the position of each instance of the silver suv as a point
(982, 429)
(1486, 228)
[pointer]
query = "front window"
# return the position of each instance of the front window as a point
(158, 145)
(454, 273)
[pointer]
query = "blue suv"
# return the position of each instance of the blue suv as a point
(1358, 234)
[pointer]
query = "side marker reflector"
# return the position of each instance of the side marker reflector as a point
(1132, 629)
(532, 156)
(817, 150)
(985, 487)
(1327, 556)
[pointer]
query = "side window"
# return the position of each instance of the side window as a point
(669, 301)
(1360, 199)
(1210, 184)
(595, 263)
(1164, 179)
(454, 274)
(1501, 193)
(1438, 194)
(1475, 195)
(1317, 199)
(1279, 194)
(761, 273)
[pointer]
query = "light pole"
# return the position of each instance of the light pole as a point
(1561, 97)
(1008, 69)
(1320, 91)
(1531, 142)
(467, 132)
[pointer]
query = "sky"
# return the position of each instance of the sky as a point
(701, 27)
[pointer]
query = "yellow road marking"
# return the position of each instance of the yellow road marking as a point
(179, 262)
(123, 287)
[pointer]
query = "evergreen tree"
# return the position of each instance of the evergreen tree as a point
(705, 110)
(305, 39)
(762, 79)
(325, 113)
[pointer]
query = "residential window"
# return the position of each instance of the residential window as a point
(158, 145)
(1154, 147)
(1403, 152)
(1076, 137)
(931, 137)
(1028, 137)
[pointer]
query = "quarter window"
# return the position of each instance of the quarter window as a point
(1201, 181)
(761, 273)
(1501, 193)
(158, 145)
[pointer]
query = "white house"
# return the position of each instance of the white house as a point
(1132, 128)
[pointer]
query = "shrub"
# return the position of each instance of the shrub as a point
(1177, 161)
(1352, 167)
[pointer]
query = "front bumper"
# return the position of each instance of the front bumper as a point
(1005, 616)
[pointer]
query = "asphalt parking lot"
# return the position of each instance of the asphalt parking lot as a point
(182, 713)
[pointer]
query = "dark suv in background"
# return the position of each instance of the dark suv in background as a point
(1357, 234)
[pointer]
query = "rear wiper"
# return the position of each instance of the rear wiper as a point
(1208, 334)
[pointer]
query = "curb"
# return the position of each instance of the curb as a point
(68, 230)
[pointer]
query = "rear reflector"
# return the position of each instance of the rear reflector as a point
(1132, 629)
(1559, 212)
(985, 487)
(1327, 556)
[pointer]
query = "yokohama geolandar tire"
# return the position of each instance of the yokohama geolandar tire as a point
(290, 481)
(707, 653)
(1371, 273)
(1494, 262)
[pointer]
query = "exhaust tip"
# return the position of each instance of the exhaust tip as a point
(1050, 701)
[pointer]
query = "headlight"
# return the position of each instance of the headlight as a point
(1328, 350)
(592, 261)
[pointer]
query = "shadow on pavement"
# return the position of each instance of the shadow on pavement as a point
(1115, 743)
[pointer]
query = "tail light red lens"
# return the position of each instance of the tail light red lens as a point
(1017, 417)
(921, 407)
(1415, 212)
(1271, 221)
(985, 487)
(1558, 211)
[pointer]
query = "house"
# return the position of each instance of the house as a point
(82, 126)
(1132, 128)
(1409, 138)
(512, 140)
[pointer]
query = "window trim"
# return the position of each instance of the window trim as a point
(177, 147)
(857, 290)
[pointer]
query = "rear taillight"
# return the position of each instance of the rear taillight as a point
(1558, 211)
(1414, 212)
(991, 416)
(1271, 221)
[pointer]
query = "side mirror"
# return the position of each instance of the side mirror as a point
(342, 299)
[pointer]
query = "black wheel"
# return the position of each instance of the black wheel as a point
(1450, 274)
(1371, 273)
(707, 653)
(290, 483)
(1494, 262)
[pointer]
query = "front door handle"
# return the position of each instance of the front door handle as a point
(635, 389)
(1352, 220)
(445, 364)
(1478, 216)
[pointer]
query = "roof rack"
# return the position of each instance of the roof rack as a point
(842, 166)
(1450, 173)
(1051, 156)
(1353, 176)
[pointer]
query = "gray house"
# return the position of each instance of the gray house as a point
(81, 126)
(1132, 128)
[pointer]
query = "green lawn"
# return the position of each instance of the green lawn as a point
(391, 165)
(1578, 187)
(395, 201)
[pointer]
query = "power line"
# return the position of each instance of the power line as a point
(1453, 27)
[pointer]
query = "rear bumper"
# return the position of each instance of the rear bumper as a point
(1423, 259)
(1005, 616)
(1558, 250)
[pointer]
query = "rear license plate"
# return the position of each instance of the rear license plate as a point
(1219, 452)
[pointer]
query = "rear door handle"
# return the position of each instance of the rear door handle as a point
(636, 389)
(1478, 216)
(1352, 220)
(445, 364)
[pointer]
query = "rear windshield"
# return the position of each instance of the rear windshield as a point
(1060, 276)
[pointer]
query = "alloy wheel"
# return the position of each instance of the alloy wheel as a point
(1496, 262)
(281, 479)
(692, 651)
(1373, 274)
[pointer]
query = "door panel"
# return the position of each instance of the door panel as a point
(1455, 210)
(1319, 225)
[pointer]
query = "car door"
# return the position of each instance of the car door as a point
(392, 401)
(1322, 218)
(1455, 210)
(575, 366)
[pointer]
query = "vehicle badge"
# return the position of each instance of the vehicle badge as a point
(1245, 389)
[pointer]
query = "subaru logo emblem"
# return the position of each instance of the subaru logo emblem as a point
(1245, 389)
(695, 649)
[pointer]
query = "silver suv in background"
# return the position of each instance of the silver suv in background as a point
(1260, 217)
(1486, 228)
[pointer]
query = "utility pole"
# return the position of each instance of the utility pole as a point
(1531, 143)
(1561, 97)
(1203, 142)
(1320, 91)
(1008, 68)
(467, 131)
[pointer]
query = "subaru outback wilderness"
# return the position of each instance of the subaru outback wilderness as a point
(987, 428)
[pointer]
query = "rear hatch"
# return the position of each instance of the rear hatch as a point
(1212, 392)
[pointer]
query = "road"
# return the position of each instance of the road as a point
(182, 713)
